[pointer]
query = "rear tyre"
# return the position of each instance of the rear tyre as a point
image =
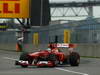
(74, 59)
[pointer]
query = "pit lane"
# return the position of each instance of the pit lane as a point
(88, 66)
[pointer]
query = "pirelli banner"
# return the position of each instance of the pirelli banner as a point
(14, 8)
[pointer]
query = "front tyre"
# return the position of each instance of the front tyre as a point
(25, 57)
(53, 58)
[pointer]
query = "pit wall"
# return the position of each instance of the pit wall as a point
(88, 50)
(8, 47)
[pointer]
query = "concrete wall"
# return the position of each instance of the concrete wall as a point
(9, 47)
(7, 40)
(92, 50)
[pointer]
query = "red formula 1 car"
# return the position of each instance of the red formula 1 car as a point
(50, 57)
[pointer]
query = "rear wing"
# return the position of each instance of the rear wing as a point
(64, 45)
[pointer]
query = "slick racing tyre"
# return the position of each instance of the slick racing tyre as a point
(25, 57)
(74, 59)
(53, 58)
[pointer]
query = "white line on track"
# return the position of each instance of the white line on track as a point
(9, 58)
(71, 71)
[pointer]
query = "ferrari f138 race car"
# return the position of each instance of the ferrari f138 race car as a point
(50, 57)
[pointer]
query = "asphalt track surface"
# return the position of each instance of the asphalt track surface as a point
(88, 66)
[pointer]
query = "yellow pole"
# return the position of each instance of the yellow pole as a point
(66, 36)
(35, 38)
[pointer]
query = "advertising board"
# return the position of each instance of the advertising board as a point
(14, 8)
